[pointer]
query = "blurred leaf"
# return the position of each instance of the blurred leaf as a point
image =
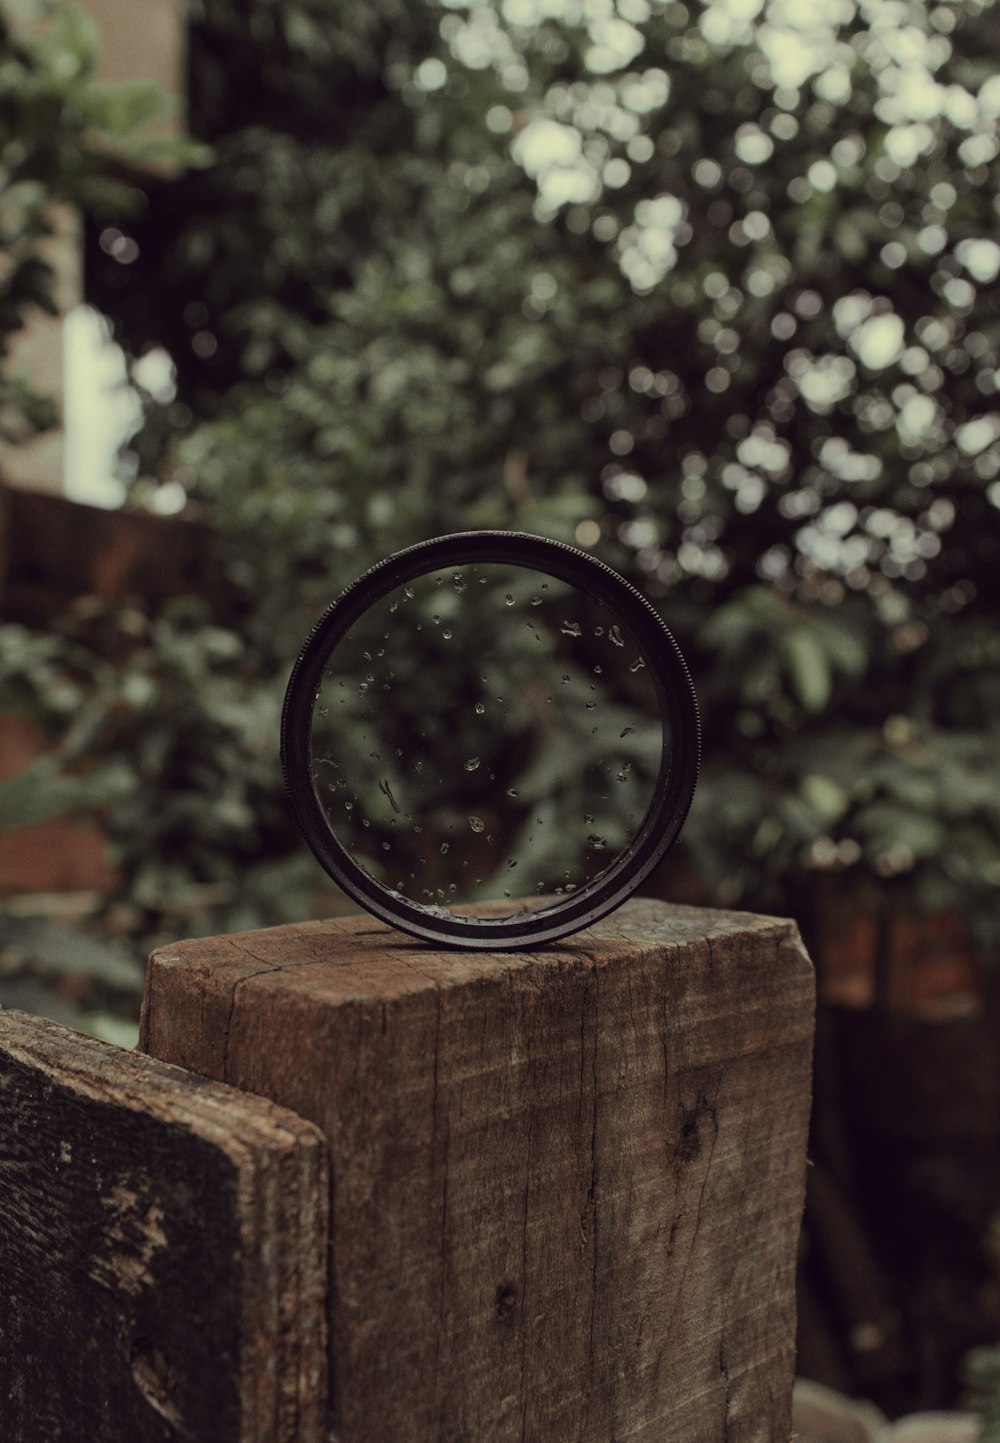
(50, 950)
(40, 793)
(828, 800)
(119, 1031)
(808, 668)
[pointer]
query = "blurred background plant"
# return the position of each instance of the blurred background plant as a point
(709, 289)
(982, 1377)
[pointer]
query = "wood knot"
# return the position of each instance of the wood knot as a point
(689, 1140)
(506, 1303)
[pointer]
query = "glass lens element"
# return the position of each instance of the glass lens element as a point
(486, 733)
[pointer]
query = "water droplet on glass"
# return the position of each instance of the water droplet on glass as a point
(571, 628)
(623, 774)
(565, 680)
(472, 765)
(349, 806)
(627, 732)
(512, 863)
(322, 711)
(508, 600)
(598, 630)
(477, 824)
(444, 847)
(587, 817)
(591, 705)
(512, 791)
(598, 843)
(436, 620)
(408, 592)
(637, 665)
(506, 891)
(615, 636)
(447, 633)
(362, 688)
(598, 670)
(386, 847)
(459, 582)
(536, 601)
(480, 708)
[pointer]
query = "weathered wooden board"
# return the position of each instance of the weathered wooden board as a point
(162, 1252)
(566, 1185)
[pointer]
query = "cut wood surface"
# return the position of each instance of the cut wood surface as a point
(566, 1184)
(162, 1252)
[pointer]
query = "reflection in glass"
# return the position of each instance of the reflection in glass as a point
(486, 733)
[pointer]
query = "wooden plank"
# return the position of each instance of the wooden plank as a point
(566, 1184)
(162, 1252)
(53, 550)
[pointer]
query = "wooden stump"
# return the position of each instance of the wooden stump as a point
(162, 1252)
(566, 1184)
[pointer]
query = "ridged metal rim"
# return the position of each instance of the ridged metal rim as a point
(674, 786)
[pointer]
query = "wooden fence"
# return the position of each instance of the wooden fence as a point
(353, 1188)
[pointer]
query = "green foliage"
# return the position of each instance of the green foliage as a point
(40, 793)
(712, 296)
(63, 139)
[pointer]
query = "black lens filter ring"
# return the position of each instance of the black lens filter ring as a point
(547, 919)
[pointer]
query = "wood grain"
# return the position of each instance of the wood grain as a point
(566, 1185)
(162, 1252)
